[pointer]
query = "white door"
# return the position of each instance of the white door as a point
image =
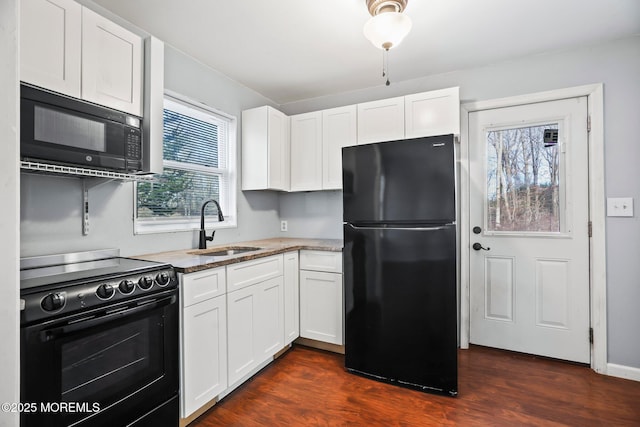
(529, 269)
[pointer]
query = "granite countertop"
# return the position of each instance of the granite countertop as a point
(191, 260)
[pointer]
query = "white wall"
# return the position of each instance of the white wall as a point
(51, 220)
(312, 214)
(617, 65)
(9, 189)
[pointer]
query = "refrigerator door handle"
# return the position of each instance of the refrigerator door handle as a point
(441, 227)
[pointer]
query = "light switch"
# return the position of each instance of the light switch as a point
(620, 206)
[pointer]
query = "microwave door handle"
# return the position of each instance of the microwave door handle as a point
(107, 316)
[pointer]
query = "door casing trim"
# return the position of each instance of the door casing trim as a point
(597, 213)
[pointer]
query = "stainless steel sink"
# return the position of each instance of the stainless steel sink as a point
(227, 251)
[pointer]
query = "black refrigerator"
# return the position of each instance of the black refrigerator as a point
(399, 211)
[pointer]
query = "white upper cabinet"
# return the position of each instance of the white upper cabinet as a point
(70, 49)
(432, 113)
(50, 40)
(265, 149)
(381, 120)
(315, 141)
(338, 130)
(306, 151)
(111, 64)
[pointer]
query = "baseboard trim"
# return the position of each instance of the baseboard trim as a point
(307, 342)
(622, 371)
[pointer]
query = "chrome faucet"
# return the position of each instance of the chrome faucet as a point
(203, 233)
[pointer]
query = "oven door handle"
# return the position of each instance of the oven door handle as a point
(107, 315)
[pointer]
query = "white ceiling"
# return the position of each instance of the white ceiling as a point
(289, 50)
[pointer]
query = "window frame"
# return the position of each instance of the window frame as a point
(228, 197)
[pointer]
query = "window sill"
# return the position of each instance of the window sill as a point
(177, 226)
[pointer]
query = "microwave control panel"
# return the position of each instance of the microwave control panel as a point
(133, 143)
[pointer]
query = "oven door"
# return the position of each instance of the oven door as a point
(105, 367)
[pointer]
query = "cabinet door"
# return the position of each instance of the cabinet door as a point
(265, 149)
(321, 306)
(338, 130)
(306, 151)
(111, 64)
(241, 332)
(50, 44)
(204, 353)
(270, 318)
(278, 150)
(381, 120)
(291, 298)
(432, 113)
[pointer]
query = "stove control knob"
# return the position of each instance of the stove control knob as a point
(163, 279)
(53, 302)
(145, 282)
(105, 291)
(126, 286)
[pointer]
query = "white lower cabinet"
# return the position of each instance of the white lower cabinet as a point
(291, 297)
(203, 340)
(242, 333)
(321, 296)
(235, 319)
(270, 317)
(255, 326)
(255, 314)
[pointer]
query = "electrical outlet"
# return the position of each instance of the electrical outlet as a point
(283, 226)
(621, 206)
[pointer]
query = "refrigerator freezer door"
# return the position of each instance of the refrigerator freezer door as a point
(403, 182)
(400, 306)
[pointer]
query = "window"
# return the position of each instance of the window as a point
(524, 181)
(199, 146)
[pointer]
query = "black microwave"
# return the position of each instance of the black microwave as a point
(62, 130)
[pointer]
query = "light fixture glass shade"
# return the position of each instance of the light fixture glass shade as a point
(387, 29)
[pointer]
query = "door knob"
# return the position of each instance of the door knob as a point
(478, 246)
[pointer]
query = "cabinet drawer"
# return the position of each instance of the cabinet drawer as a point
(203, 285)
(251, 272)
(330, 262)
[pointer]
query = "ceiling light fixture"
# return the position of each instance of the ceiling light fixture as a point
(387, 26)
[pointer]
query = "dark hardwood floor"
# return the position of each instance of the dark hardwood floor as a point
(308, 387)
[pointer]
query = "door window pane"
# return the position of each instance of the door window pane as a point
(523, 180)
